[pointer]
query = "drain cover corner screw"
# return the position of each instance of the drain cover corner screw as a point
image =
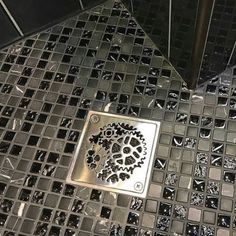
(94, 119)
(138, 186)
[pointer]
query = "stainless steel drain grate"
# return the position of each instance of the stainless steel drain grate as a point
(115, 153)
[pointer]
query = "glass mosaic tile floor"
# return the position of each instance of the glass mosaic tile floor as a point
(102, 60)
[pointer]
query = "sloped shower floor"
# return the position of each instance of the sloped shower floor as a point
(101, 60)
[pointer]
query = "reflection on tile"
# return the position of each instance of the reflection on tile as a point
(8, 33)
(32, 21)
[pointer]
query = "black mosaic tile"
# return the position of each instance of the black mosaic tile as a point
(46, 215)
(223, 220)
(229, 177)
(165, 209)
(133, 218)
(131, 231)
(192, 229)
(25, 195)
(6, 205)
(95, 195)
(211, 202)
(216, 160)
(3, 219)
(199, 185)
(169, 193)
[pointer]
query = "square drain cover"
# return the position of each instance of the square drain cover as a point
(115, 153)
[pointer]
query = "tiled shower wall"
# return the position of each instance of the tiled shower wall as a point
(153, 15)
(27, 17)
(21, 18)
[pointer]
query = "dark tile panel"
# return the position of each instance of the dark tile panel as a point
(182, 34)
(91, 3)
(221, 38)
(8, 33)
(31, 15)
(153, 16)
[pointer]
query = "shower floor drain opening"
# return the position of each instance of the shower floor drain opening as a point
(115, 153)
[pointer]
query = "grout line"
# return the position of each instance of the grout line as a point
(232, 53)
(169, 29)
(11, 18)
(81, 4)
(132, 6)
(209, 26)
